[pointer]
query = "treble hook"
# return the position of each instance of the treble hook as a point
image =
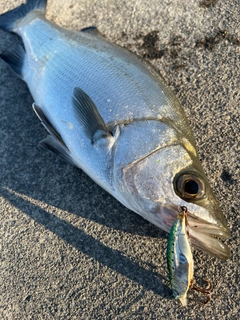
(207, 292)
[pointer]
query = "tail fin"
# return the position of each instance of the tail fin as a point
(9, 19)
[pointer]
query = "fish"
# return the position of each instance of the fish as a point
(110, 113)
(180, 258)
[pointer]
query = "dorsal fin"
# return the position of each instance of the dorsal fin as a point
(89, 29)
(92, 30)
(88, 114)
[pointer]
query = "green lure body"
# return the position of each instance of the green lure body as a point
(179, 259)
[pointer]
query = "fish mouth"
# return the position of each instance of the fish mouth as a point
(205, 237)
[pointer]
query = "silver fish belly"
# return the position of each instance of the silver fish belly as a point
(111, 114)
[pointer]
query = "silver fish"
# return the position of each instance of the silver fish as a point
(111, 114)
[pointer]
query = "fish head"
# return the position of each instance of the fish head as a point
(205, 218)
(172, 177)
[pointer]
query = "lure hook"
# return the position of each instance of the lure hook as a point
(207, 292)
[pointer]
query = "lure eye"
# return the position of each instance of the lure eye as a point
(190, 186)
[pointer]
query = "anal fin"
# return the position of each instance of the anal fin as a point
(15, 59)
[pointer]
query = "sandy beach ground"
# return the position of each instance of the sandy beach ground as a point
(68, 250)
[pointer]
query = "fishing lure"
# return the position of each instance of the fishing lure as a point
(179, 258)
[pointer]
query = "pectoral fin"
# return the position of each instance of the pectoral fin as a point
(88, 114)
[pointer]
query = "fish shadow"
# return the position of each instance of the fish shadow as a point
(90, 246)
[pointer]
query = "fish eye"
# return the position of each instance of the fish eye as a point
(190, 186)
